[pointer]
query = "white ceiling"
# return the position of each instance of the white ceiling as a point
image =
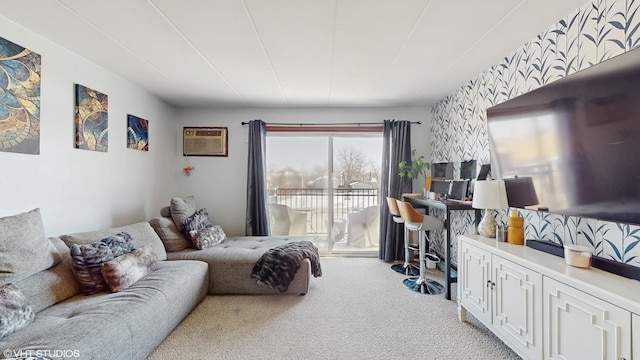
(286, 53)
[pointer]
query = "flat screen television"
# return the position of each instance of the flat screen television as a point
(579, 140)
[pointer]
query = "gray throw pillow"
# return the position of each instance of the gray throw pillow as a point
(15, 310)
(172, 239)
(125, 270)
(182, 209)
(24, 248)
(208, 237)
(195, 222)
(87, 260)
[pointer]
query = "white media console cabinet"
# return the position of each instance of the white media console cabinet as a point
(545, 309)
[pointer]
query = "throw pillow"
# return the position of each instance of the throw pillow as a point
(182, 209)
(15, 310)
(208, 237)
(195, 222)
(24, 248)
(88, 258)
(172, 239)
(125, 270)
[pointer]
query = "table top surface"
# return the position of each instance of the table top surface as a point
(452, 204)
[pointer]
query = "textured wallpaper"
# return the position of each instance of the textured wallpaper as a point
(596, 32)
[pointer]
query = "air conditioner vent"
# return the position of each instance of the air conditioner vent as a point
(203, 141)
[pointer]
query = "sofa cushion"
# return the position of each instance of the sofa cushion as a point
(142, 233)
(195, 222)
(24, 248)
(15, 310)
(119, 326)
(172, 239)
(207, 237)
(88, 258)
(125, 270)
(165, 211)
(53, 285)
(182, 209)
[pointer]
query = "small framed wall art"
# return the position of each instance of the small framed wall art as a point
(91, 119)
(137, 133)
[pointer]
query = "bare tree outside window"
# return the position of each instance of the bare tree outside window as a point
(351, 163)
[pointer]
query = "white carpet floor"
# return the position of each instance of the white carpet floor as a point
(358, 309)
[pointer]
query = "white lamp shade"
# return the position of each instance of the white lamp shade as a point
(490, 194)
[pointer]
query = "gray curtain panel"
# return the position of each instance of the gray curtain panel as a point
(396, 147)
(257, 207)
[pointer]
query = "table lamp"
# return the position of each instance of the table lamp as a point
(489, 195)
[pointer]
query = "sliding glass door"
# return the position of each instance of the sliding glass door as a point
(325, 186)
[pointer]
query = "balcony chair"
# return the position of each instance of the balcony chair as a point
(421, 223)
(407, 268)
(284, 221)
(363, 227)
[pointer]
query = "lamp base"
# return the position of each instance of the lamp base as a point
(487, 226)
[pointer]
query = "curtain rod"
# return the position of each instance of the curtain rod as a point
(327, 124)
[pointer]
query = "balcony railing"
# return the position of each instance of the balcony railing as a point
(315, 203)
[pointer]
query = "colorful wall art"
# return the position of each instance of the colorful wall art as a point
(91, 118)
(19, 99)
(137, 133)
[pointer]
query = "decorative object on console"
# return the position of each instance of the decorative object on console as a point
(137, 133)
(578, 255)
(20, 67)
(489, 195)
(91, 119)
(515, 231)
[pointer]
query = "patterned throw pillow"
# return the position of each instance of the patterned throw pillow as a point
(125, 270)
(197, 221)
(207, 237)
(15, 310)
(88, 258)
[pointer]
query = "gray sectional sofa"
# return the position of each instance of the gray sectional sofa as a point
(131, 323)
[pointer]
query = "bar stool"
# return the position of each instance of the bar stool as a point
(407, 268)
(414, 221)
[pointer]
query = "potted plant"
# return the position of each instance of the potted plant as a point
(415, 168)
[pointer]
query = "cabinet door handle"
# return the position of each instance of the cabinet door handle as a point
(493, 285)
(488, 283)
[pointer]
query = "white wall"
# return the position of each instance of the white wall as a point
(79, 189)
(219, 183)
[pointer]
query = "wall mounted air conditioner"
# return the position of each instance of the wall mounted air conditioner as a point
(205, 141)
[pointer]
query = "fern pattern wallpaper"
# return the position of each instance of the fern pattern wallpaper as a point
(594, 33)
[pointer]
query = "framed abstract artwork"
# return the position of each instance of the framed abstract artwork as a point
(91, 119)
(19, 99)
(137, 133)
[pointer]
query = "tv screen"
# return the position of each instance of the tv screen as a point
(578, 138)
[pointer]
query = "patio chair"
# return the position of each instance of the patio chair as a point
(284, 221)
(363, 227)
